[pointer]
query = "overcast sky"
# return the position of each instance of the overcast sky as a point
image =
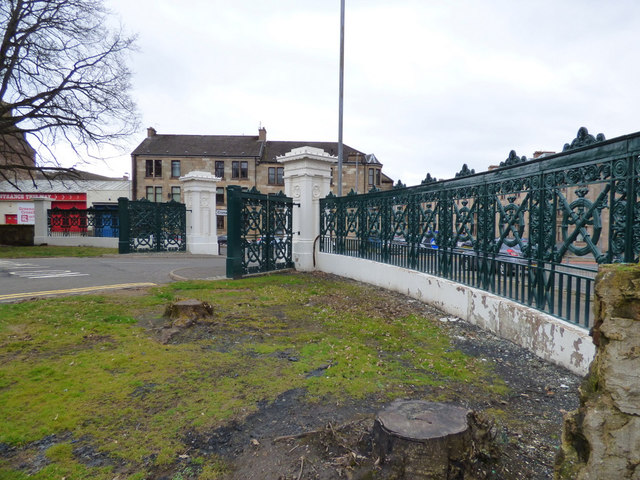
(429, 84)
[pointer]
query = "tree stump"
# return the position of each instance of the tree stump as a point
(423, 440)
(187, 312)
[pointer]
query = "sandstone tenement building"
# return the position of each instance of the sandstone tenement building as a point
(245, 160)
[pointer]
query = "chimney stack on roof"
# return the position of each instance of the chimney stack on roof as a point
(262, 134)
(151, 132)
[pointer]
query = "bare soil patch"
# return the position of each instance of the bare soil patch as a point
(292, 439)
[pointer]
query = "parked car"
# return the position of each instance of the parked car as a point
(506, 256)
(509, 256)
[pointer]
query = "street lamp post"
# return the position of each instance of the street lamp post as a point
(341, 99)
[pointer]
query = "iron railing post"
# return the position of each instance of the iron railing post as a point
(125, 226)
(631, 207)
(235, 248)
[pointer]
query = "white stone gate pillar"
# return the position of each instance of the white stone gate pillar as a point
(199, 190)
(40, 227)
(307, 179)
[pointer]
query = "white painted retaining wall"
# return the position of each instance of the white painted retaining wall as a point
(550, 338)
(102, 242)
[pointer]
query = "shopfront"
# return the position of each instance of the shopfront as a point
(17, 207)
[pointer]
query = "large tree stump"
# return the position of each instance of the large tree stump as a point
(423, 440)
(187, 312)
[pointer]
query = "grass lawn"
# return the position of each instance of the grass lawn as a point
(53, 251)
(92, 371)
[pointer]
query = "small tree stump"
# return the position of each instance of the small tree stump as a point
(420, 440)
(187, 312)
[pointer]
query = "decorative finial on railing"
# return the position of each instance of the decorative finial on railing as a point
(465, 172)
(399, 184)
(374, 189)
(254, 190)
(583, 139)
(351, 193)
(513, 159)
(429, 179)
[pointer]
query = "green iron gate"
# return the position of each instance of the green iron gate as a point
(259, 232)
(152, 227)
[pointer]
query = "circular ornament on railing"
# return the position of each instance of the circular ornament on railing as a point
(617, 242)
(619, 210)
(579, 217)
(509, 220)
(560, 178)
(549, 181)
(517, 184)
(574, 176)
(620, 168)
(620, 187)
(591, 173)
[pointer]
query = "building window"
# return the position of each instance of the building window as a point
(239, 169)
(175, 168)
(220, 196)
(149, 195)
(175, 194)
(372, 173)
(153, 168)
(219, 169)
(377, 177)
(220, 222)
(158, 191)
(276, 175)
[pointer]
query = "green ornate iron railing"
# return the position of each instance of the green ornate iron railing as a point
(148, 226)
(532, 231)
(259, 232)
(90, 222)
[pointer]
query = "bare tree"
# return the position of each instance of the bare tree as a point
(63, 79)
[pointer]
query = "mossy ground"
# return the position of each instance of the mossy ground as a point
(91, 371)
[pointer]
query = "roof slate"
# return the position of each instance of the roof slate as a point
(276, 149)
(200, 145)
(228, 146)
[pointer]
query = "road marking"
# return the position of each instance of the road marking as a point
(14, 296)
(7, 263)
(47, 274)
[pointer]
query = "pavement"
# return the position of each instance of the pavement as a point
(216, 271)
(26, 278)
(198, 273)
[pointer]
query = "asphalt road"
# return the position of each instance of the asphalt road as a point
(35, 277)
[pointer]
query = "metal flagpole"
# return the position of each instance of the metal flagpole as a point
(341, 99)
